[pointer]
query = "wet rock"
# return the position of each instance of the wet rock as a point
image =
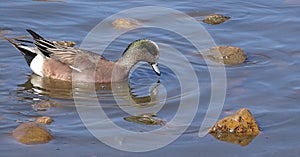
(65, 43)
(147, 119)
(214, 19)
(227, 55)
(241, 122)
(126, 23)
(240, 128)
(32, 133)
(44, 120)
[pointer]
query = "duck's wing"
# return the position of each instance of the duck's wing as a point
(75, 58)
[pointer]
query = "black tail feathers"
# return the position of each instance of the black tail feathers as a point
(26, 51)
(34, 35)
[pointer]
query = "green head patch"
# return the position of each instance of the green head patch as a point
(141, 42)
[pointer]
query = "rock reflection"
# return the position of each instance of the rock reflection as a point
(240, 139)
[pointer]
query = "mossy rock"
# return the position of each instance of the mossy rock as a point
(240, 128)
(215, 19)
(242, 122)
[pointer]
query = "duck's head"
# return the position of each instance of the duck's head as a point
(142, 50)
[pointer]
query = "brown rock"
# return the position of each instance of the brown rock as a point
(214, 19)
(242, 122)
(44, 120)
(240, 128)
(227, 55)
(65, 43)
(32, 133)
(126, 23)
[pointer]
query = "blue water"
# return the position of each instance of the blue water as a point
(268, 84)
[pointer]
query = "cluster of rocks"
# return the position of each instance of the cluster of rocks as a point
(35, 131)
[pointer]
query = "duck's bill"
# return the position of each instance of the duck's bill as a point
(155, 68)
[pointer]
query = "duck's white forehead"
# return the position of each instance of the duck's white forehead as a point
(154, 43)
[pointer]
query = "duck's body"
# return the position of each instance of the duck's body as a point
(48, 59)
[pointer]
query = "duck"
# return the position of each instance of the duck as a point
(49, 59)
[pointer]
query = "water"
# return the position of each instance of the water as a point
(268, 84)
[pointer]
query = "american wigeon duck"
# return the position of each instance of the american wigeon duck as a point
(49, 59)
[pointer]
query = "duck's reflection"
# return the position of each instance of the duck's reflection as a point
(67, 90)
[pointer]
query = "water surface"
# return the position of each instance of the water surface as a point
(268, 84)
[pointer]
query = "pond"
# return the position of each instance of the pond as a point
(89, 119)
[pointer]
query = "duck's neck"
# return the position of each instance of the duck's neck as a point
(129, 59)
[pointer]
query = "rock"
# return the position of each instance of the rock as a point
(126, 23)
(65, 43)
(227, 55)
(147, 119)
(214, 19)
(32, 133)
(240, 128)
(44, 120)
(242, 122)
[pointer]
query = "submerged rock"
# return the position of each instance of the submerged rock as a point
(32, 133)
(227, 55)
(214, 19)
(126, 23)
(44, 120)
(147, 119)
(240, 128)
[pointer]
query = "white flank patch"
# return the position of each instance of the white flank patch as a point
(37, 65)
(77, 69)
